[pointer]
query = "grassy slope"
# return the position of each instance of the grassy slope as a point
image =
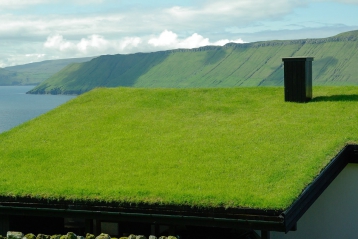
(249, 64)
(233, 147)
(34, 73)
(82, 77)
(12, 78)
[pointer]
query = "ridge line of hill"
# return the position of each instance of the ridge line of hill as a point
(36, 72)
(231, 65)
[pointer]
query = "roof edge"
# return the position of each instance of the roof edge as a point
(149, 217)
(349, 154)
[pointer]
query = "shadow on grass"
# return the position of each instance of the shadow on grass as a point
(335, 98)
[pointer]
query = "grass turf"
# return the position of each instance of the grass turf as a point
(230, 147)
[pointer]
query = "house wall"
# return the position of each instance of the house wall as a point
(335, 212)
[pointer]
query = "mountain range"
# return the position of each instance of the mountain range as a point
(232, 65)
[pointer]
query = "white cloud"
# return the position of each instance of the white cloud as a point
(96, 44)
(348, 1)
(210, 16)
(58, 46)
(170, 40)
(86, 2)
(129, 43)
(91, 45)
(39, 56)
(57, 42)
(91, 27)
(232, 10)
(92, 42)
(18, 59)
(166, 38)
(225, 41)
(194, 41)
(340, 1)
(19, 3)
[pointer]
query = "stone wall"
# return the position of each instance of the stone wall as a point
(71, 235)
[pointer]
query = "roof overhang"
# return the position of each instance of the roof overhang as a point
(349, 154)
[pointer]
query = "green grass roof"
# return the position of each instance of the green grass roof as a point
(236, 147)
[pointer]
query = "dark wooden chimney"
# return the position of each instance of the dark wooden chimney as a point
(298, 79)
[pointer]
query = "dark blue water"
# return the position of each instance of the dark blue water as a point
(17, 107)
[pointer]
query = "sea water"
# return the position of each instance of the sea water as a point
(17, 107)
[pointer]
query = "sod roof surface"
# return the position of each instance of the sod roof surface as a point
(232, 147)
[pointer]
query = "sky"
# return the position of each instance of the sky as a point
(38, 30)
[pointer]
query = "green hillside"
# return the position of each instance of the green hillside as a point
(230, 147)
(250, 64)
(34, 73)
(13, 78)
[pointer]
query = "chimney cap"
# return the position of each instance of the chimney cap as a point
(298, 58)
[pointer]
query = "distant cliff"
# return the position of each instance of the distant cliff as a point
(233, 65)
(34, 73)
